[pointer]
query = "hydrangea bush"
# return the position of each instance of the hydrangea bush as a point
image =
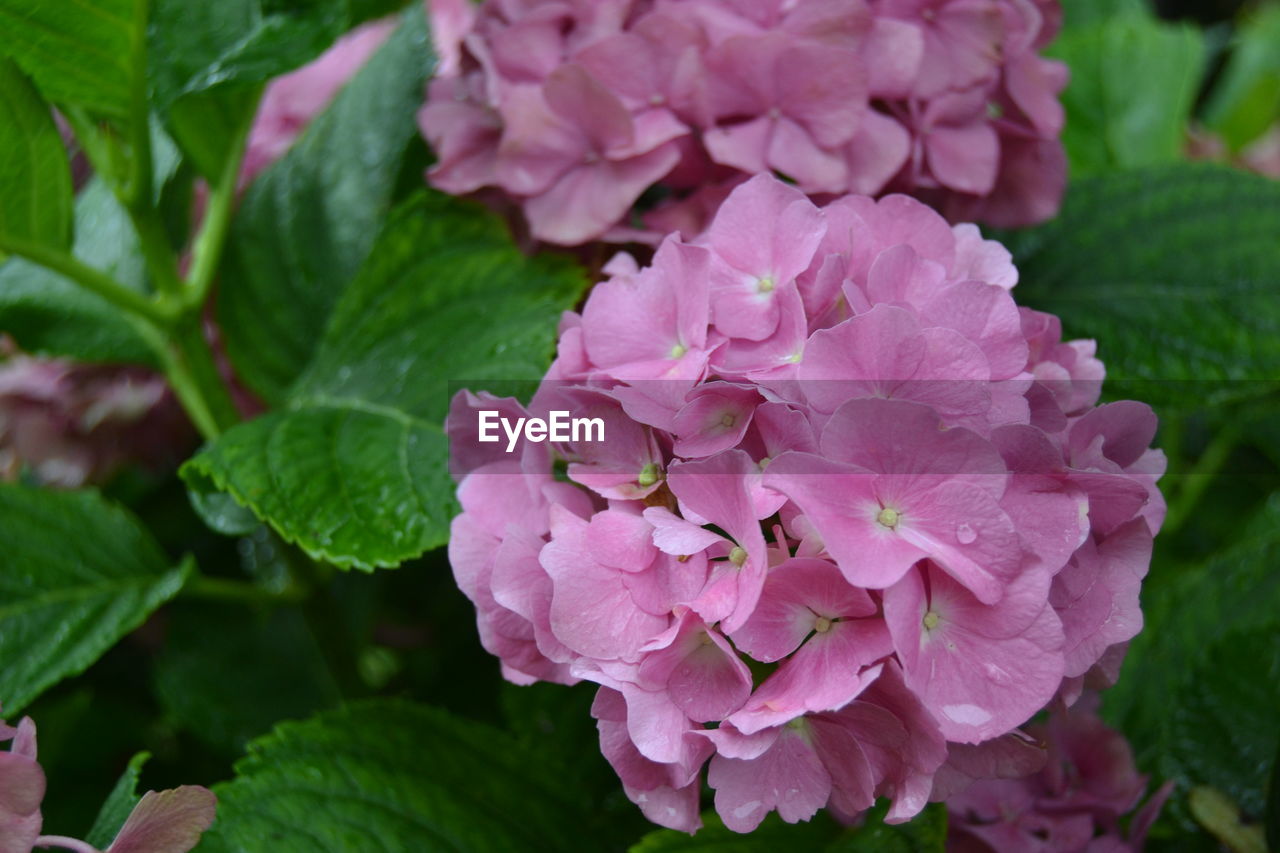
(575, 110)
(344, 510)
(852, 505)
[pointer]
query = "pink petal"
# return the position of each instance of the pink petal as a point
(170, 821)
(965, 158)
(621, 540)
(788, 777)
(577, 97)
(985, 669)
(877, 152)
(674, 535)
(796, 593)
(588, 199)
(824, 674)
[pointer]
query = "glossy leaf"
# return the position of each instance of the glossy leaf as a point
(76, 575)
(49, 315)
(1246, 99)
(390, 775)
(1223, 729)
(308, 223)
(354, 469)
(1117, 118)
(1206, 627)
(120, 802)
(82, 53)
(35, 182)
(1173, 271)
(210, 58)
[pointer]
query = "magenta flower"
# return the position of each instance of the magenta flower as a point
(854, 517)
(166, 822)
(573, 110)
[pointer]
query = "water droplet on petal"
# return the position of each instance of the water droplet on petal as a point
(965, 534)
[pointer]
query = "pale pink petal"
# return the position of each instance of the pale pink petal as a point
(167, 822)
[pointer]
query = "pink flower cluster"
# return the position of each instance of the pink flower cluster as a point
(69, 424)
(852, 506)
(575, 108)
(1076, 802)
(170, 821)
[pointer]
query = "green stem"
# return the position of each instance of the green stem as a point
(157, 251)
(228, 589)
(1192, 484)
(90, 279)
(194, 375)
(212, 239)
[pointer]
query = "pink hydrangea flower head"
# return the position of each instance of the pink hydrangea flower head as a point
(575, 111)
(852, 520)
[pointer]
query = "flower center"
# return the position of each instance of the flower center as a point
(738, 555)
(728, 420)
(648, 474)
(678, 350)
(888, 517)
(765, 285)
(822, 625)
(931, 620)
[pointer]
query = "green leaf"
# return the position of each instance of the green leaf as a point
(354, 469)
(1273, 804)
(120, 802)
(1084, 13)
(79, 52)
(925, 833)
(1246, 99)
(1173, 270)
(209, 58)
(1119, 119)
(263, 667)
(308, 222)
(201, 46)
(77, 573)
(354, 488)
(35, 180)
(1196, 623)
(1223, 729)
(391, 775)
(49, 315)
(205, 125)
(220, 512)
